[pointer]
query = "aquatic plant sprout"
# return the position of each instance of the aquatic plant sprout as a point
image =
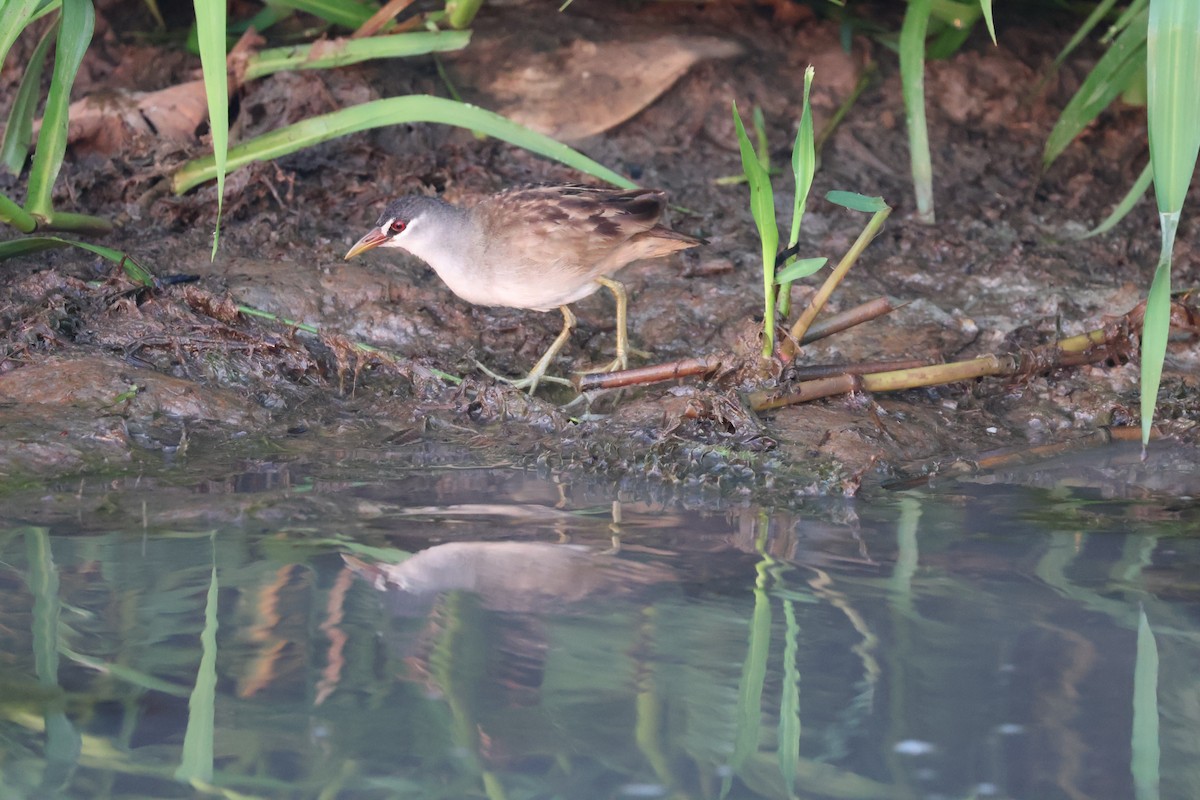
(1173, 97)
(762, 208)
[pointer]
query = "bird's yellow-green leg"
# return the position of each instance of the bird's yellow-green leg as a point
(538, 373)
(623, 348)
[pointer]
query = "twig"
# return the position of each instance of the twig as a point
(655, 373)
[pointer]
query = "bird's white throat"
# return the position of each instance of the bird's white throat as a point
(449, 241)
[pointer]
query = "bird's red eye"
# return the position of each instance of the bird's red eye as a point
(398, 226)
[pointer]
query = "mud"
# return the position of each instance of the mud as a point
(95, 373)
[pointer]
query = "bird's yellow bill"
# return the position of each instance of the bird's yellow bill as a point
(371, 240)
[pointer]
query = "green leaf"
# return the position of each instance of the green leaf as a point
(912, 87)
(347, 13)
(197, 761)
(1112, 73)
(1173, 115)
(761, 145)
(1156, 329)
(857, 202)
(352, 51)
(74, 34)
(19, 218)
(1173, 89)
(36, 244)
(1098, 14)
(986, 7)
(804, 160)
(801, 268)
(460, 13)
(1144, 762)
(1126, 205)
(15, 15)
(18, 133)
(210, 28)
(391, 111)
(762, 208)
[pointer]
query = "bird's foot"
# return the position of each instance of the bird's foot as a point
(619, 363)
(529, 382)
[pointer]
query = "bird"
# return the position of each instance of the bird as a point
(534, 247)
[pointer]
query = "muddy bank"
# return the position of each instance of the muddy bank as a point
(98, 374)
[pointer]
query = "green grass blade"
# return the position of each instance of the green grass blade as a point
(18, 132)
(15, 15)
(74, 34)
(986, 7)
(1126, 205)
(1173, 115)
(1156, 329)
(761, 145)
(391, 111)
(1144, 762)
(19, 218)
(1098, 14)
(1127, 18)
(210, 29)
(460, 13)
(804, 160)
(789, 703)
(800, 268)
(804, 166)
(856, 202)
(347, 13)
(754, 673)
(912, 77)
(762, 208)
(1112, 73)
(196, 764)
(352, 51)
(36, 244)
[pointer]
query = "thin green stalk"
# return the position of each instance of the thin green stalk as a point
(381, 113)
(353, 51)
(912, 77)
(1144, 763)
(14, 215)
(74, 34)
(1173, 115)
(762, 207)
(15, 15)
(18, 132)
(196, 764)
(804, 167)
(210, 30)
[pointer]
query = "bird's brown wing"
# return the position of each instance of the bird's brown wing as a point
(578, 233)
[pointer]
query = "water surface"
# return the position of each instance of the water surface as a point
(288, 629)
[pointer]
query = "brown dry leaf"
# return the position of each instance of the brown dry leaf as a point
(105, 123)
(585, 87)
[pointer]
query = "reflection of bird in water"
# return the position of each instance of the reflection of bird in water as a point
(520, 577)
(518, 587)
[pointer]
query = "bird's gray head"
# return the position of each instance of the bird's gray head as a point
(409, 223)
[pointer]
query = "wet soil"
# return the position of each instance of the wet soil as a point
(95, 371)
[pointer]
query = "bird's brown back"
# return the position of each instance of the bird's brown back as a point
(574, 234)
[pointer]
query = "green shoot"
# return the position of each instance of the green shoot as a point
(1173, 62)
(804, 167)
(1107, 80)
(210, 27)
(35, 244)
(76, 23)
(762, 207)
(912, 78)
(380, 113)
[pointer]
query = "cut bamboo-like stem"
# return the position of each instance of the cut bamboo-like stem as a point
(823, 294)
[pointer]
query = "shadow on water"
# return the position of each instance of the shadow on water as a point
(455, 633)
